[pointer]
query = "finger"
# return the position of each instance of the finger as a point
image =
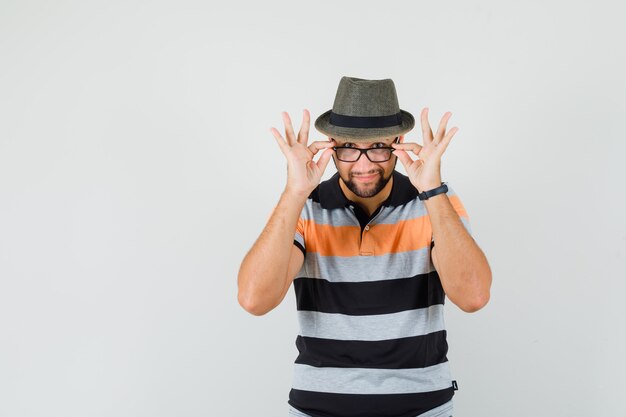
(404, 158)
(427, 133)
(303, 134)
(446, 140)
(442, 127)
(291, 137)
(324, 158)
(279, 139)
(410, 146)
(317, 145)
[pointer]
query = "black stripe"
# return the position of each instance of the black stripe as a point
(323, 404)
(365, 121)
(406, 352)
(369, 297)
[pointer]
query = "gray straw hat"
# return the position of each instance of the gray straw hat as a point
(365, 110)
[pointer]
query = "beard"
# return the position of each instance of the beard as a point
(369, 191)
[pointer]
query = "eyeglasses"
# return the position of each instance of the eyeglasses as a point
(350, 154)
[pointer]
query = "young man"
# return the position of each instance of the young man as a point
(375, 254)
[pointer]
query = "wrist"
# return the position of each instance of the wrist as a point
(428, 187)
(431, 192)
(295, 194)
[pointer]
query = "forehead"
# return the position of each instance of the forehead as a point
(387, 139)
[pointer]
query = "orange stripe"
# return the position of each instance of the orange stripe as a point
(330, 240)
(406, 235)
(380, 239)
(403, 236)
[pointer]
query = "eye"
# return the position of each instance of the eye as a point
(349, 145)
(379, 145)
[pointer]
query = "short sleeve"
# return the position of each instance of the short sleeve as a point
(298, 239)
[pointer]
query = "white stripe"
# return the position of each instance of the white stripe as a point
(345, 217)
(337, 326)
(334, 217)
(367, 268)
(409, 211)
(371, 381)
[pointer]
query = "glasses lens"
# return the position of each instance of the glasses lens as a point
(347, 154)
(379, 155)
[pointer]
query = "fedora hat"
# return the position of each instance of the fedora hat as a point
(365, 110)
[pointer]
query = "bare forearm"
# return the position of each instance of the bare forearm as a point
(268, 267)
(263, 271)
(462, 266)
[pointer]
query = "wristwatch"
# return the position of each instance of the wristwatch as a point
(443, 188)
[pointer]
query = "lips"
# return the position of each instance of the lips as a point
(365, 178)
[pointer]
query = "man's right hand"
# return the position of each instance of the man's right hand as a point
(303, 174)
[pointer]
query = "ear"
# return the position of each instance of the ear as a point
(401, 139)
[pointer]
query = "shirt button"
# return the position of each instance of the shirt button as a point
(367, 228)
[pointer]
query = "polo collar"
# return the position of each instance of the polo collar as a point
(330, 195)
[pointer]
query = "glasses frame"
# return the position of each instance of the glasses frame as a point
(365, 151)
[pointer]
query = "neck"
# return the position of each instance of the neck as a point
(369, 204)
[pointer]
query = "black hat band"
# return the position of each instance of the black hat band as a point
(365, 121)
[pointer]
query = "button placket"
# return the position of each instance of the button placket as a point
(367, 246)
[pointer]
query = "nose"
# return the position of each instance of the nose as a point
(363, 165)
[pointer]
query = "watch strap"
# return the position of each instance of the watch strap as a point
(443, 188)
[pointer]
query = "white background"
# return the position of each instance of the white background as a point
(137, 168)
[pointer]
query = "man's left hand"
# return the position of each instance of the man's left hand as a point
(425, 172)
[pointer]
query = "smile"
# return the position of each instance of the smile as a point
(365, 178)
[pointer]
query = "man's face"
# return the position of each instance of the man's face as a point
(364, 177)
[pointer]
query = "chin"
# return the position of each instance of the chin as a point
(367, 191)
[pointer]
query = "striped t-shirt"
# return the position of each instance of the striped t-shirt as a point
(372, 340)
